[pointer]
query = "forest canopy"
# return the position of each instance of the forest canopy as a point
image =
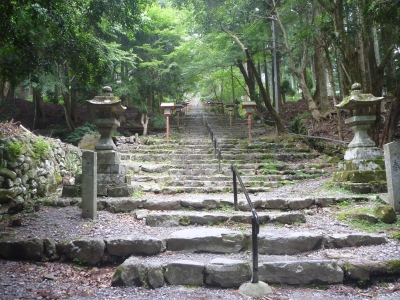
(266, 51)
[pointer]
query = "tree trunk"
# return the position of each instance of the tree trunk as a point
(300, 73)
(280, 129)
(321, 93)
(247, 79)
(333, 87)
(145, 122)
(63, 73)
(266, 79)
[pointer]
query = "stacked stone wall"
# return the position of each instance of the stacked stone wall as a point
(33, 166)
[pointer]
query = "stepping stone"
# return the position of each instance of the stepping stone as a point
(184, 272)
(342, 240)
(128, 245)
(213, 240)
(226, 273)
(301, 272)
(285, 242)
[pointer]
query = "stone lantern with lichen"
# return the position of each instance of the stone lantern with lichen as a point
(105, 108)
(363, 168)
(112, 180)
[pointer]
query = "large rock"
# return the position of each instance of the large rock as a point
(131, 273)
(135, 273)
(281, 242)
(215, 240)
(184, 272)
(386, 214)
(342, 240)
(227, 272)
(29, 249)
(127, 245)
(361, 270)
(88, 251)
(301, 272)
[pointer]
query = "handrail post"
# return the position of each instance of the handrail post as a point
(215, 147)
(255, 230)
(219, 160)
(235, 199)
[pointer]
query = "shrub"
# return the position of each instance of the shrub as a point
(76, 136)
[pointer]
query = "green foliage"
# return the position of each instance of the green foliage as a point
(41, 149)
(158, 121)
(14, 149)
(298, 124)
(286, 88)
(76, 136)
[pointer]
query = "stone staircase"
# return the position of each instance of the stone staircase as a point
(180, 227)
(202, 241)
(188, 163)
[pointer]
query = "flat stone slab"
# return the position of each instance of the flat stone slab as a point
(128, 245)
(184, 272)
(116, 205)
(225, 273)
(301, 272)
(213, 240)
(342, 240)
(159, 168)
(179, 218)
(285, 242)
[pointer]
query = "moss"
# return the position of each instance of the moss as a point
(184, 220)
(393, 266)
(386, 214)
(58, 178)
(316, 166)
(395, 235)
(360, 176)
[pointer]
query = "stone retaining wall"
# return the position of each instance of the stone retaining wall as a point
(33, 166)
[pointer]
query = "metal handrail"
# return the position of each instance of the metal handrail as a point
(214, 142)
(255, 228)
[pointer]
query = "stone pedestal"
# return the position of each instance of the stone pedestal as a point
(363, 168)
(112, 180)
(392, 162)
(89, 184)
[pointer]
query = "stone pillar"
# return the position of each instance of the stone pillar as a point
(392, 164)
(89, 184)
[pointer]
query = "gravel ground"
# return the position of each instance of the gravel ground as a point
(54, 280)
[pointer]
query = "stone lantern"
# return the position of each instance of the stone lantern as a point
(363, 168)
(111, 174)
(249, 107)
(167, 108)
(230, 107)
(105, 108)
(178, 109)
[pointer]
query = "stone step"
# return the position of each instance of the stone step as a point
(210, 189)
(225, 273)
(184, 218)
(206, 202)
